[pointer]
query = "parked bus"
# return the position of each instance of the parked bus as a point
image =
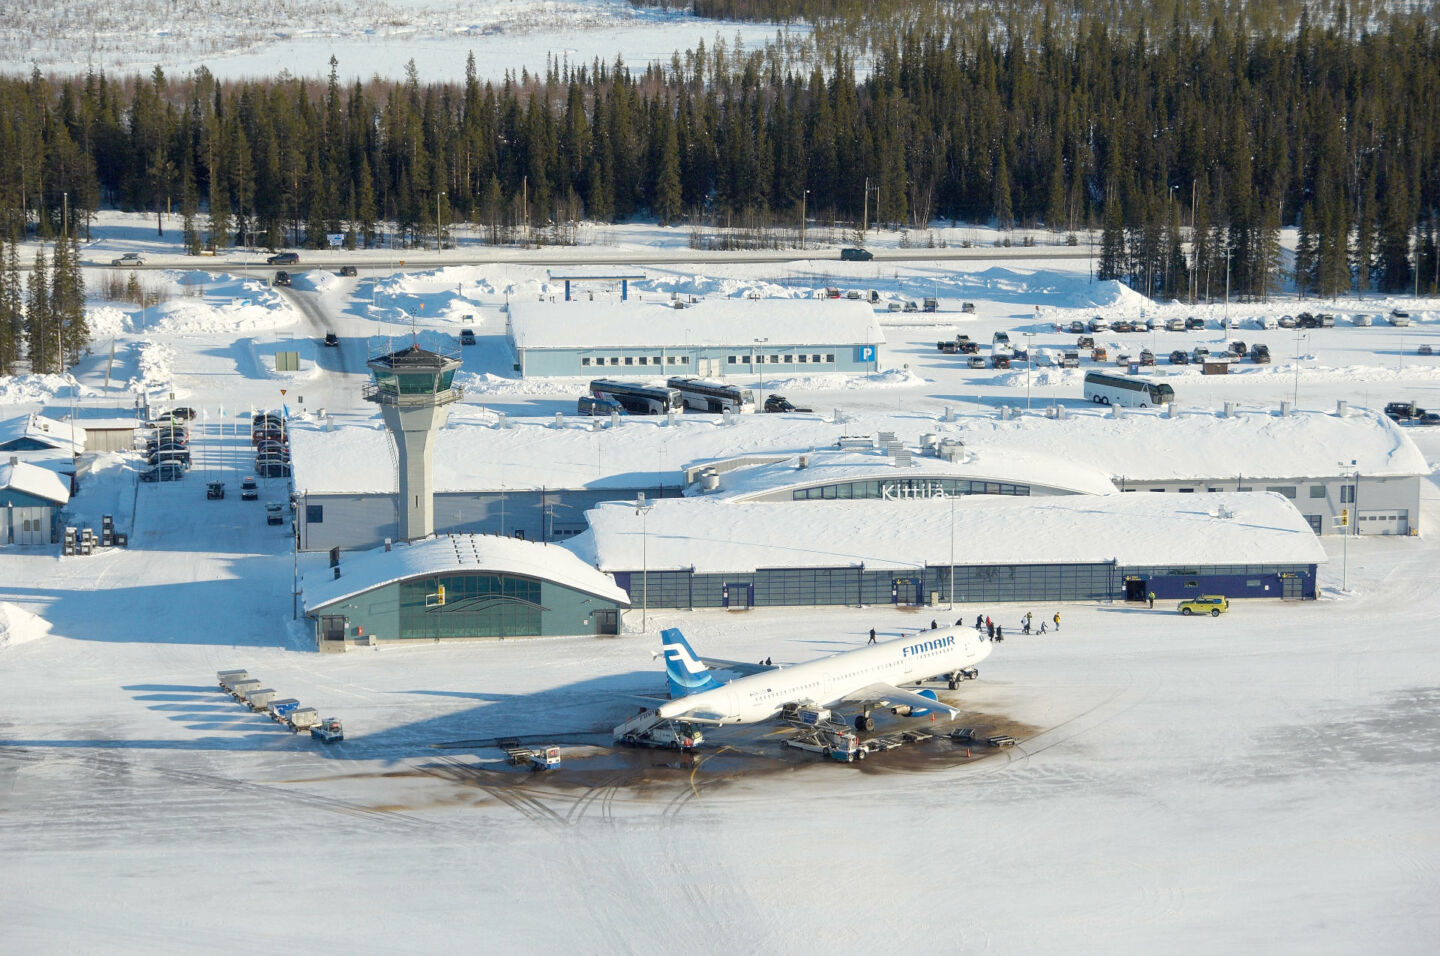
(638, 399)
(1107, 389)
(713, 396)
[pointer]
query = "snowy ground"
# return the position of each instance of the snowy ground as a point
(235, 41)
(1263, 781)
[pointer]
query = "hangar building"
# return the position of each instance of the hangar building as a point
(461, 586)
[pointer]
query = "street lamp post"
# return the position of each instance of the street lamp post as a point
(438, 232)
(951, 495)
(642, 508)
(755, 361)
(803, 195)
(1351, 470)
(1295, 399)
(1029, 363)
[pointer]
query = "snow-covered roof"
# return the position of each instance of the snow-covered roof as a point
(711, 322)
(715, 535)
(46, 431)
(33, 480)
(1255, 443)
(452, 553)
(1076, 452)
(1024, 466)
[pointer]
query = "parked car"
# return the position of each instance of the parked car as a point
(1178, 357)
(779, 403)
(1147, 357)
(1099, 324)
(856, 255)
(349, 272)
(1327, 320)
(1076, 327)
(968, 307)
(180, 456)
(1399, 317)
(129, 259)
(590, 405)
(853, 295)
(284, 259)
(1211, 604)
(164, 471)
(1099, 354)
(910, 306)
(1120, 325)
(976, 361)
(1286, 321)
(1260, 353)
(1426, 349)
(282, 278)
(1362, 318)
(1307, 320)
(1176, 324)
(263, 418)
(1238, 348)
(249, 489)
(1085, 342)
(1267, 322)
(1404, 411)
(274, 469)
(1000, 360)
(1071, 359)
(214, 490)
(183, 413)
(1200, 354)
(968, 347)
(1194, 323)
(331, 339)
(467, 336)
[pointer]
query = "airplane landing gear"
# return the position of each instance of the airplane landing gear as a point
(864, 722)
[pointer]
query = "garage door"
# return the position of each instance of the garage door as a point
(1384, 522)
(31, 525)
(4, 526)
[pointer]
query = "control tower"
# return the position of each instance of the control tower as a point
(412, 388)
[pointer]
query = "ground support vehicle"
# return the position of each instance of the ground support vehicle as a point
(259, 700)
(543, 757)
(302, 718)
(228, 679)
(279, 710)
(328, 731)
(841, 745)
(241, 688)
(649, 729)
(274, 513)
(1212, 604)
(249, 490)
(214, 490)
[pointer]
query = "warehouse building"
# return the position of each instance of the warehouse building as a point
(30, 501)
(457, 587)
(717, 552)
(748, 339)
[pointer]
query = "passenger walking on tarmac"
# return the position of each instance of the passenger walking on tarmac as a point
(1151, 596)
(979, 621)
(1025, 624)
(1057, 620)
(933, 625)
(1043, 627)
(991, 626)
(999, 633)
(872, 635)
(1028, 616)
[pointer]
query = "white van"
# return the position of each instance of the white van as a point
(1362, 319)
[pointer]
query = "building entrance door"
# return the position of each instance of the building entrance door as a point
(332, 627)
(607, 622)
(906, 591)
(1292, 587)
(737, 595)
(1135, 589)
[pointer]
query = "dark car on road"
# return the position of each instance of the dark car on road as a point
(856, 255)
(282, 278)
(349, 272)
(779, 403)
(284, 259)
(331, 339)
(271, 468)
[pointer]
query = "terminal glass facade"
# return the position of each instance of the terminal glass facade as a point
(973, 584)
(895, 489)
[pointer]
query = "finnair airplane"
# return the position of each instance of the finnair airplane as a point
(861, 680)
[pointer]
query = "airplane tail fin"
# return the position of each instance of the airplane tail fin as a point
(686, 672)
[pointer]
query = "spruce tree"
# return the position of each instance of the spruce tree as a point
(39, 330)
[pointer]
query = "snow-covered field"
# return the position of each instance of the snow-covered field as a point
(1265, 781)
(247, 40)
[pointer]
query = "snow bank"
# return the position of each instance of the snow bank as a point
(19, 626)
(36, 389)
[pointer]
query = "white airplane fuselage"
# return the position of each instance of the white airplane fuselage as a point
(831, 679)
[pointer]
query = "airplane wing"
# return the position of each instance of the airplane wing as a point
(888, 695)
(698, 716)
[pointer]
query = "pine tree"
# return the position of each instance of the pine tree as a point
(1112, 242)
(67, 301)
(1306, 252)
(668, 205)
(39, 331)
(11, 318)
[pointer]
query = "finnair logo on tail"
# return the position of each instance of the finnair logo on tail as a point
(910, 650)
(686, 673)
(681, 656)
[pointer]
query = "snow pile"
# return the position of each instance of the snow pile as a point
(157, 372)
(192, 315)
(107, 322)
(36, 389)
(19, 626)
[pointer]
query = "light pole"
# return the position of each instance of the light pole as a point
(803, 195)
(642, 508)
(951, 495)
(1347, 472)
(755, 361)
(1295, 400)
(1029, 362)
(438, 232)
